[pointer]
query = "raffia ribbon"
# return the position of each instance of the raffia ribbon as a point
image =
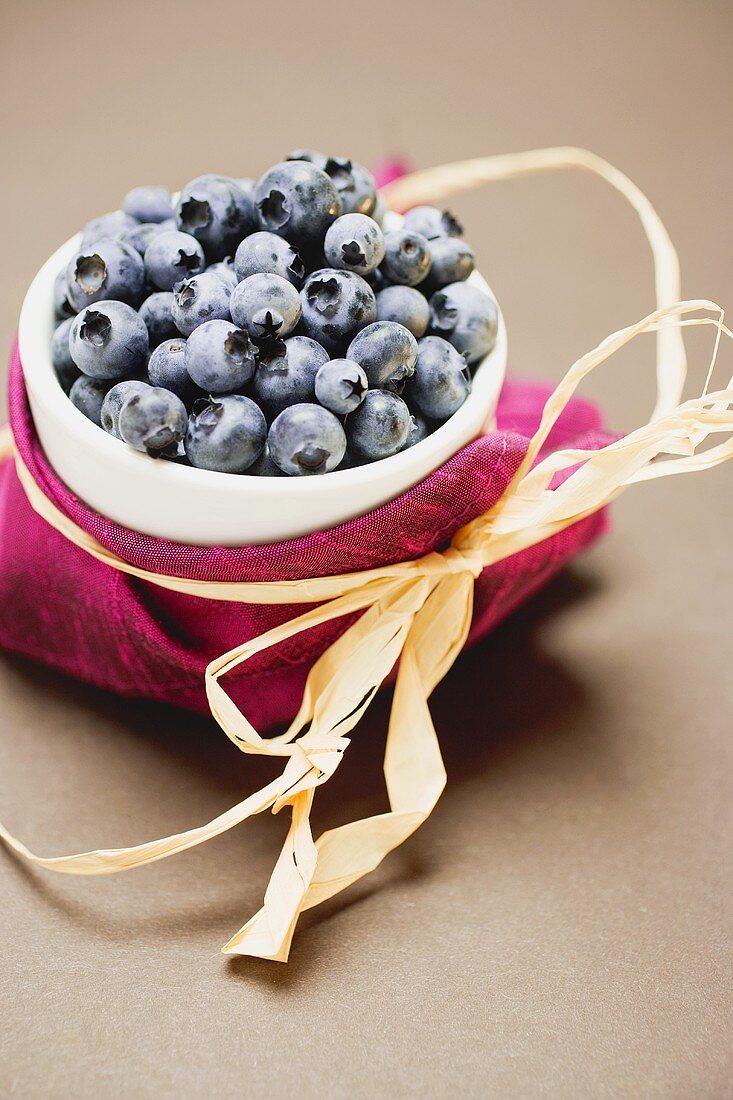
(417, 611)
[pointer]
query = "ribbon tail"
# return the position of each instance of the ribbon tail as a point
(413, 765)
(269, 933)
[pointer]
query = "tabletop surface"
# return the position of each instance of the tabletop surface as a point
(561, 926)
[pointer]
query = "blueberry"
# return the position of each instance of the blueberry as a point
(226, 434)
(157, 313)
(336, 304)
(432, 223)
(172, 256)
(387, 352)
(61, 355)
(380, 209)
(341, 386)
(167, 368)
(265, 466)
(351, 460)
(406, 258)
(107, 269)
(297, 201)
(153, 420)
(148, 204)
(219, 357)
(354, 242)
(467, 317)
(380, 426)
(419, 430)
(354, 183)
(266, 305)
(204, 297)
(62, 306)
(113, 402)
(106, 227)
(87, 395)
(141, 236)
(405, 305)
(225, 270)
(377, 280)
(108, 340)
(453, 261)
(266, 252)
(287, 375)
(306, 440)
(441, 382)
(319, 159)
(217, 212)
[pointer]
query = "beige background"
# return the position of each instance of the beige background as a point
(562, 926)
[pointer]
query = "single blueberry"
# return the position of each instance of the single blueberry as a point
(452, 262)
(442, 380)
(297, 201)
(432, 223)
(153, 420)
(220, 357)
(467, 317)
(336, 304)
(377, 280)
(306, 440)
(106, 227)
(380, 426)
(108, 340)
(387, 351)
(148, 204)
(61, 354)
(113, 402)
(351, 460)
(407, 306)
(173, 256)
(226, 434)
(380, 209)
(217, 212)
(202, 298)
(265, 466)
(167, 368)
(266, 305)
(106, 270)
(286, 375)
(319, 159)
(266, 252)
(157, 313)
(225, 270)
(62, 306)
(355, 185)
(419, 430)
(341, 386)
(87, 395)
(406, 257)
(354, 242)
(141, 236)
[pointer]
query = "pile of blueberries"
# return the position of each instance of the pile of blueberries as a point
(270, 327)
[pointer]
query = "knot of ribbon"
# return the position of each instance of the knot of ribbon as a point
(414, 615)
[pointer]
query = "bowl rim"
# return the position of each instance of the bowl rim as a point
(36, 325)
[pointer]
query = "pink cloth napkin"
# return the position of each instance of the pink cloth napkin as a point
(63, 608)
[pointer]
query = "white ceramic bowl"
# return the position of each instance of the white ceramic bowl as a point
(213, 509)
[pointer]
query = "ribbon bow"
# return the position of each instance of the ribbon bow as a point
(417, 613)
